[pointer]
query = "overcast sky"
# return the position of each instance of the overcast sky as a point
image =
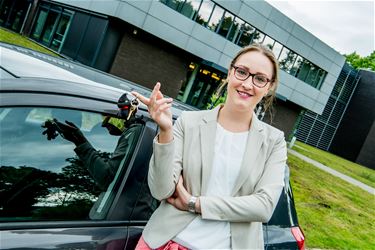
(346, 26)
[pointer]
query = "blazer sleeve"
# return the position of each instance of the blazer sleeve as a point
(259, 205)
(166, 163)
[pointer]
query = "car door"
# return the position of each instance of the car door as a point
(48, 198)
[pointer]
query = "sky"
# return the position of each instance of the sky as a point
(346, 26)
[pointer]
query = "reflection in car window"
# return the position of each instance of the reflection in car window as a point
(42, 179)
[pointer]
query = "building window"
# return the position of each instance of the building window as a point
(269, 42)
(51, 26)
(174, 4)
(190, 8)
(13, 13)
(277, 47)
(247, 32)
(38, 27)
(312, 75)
(215, 18)
(303, 70)
(60, 34)
(235, 29)
(204, 12)
(258, 37)
(286, 60)
(226, 24)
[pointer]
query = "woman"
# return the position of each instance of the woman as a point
(218, 173)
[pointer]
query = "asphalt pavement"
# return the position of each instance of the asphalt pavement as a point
(333, 172)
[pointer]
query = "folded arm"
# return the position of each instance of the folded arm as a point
(257, 206)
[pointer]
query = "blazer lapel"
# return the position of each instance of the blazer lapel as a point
(207, 136)
(253, 145)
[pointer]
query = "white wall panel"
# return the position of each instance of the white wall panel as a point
(303, 35)
(276, 32)
(172, 18)
(252, 17)
(298, 46)
(208, 37)
(165, 31)
(233, 6)
(262, 7)
(131, 14)
(143, 5)
(206, 52)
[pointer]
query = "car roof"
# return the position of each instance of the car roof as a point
(41, 70)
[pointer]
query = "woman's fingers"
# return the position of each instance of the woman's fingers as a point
(155, 91)
(143, 99)
(165, 106)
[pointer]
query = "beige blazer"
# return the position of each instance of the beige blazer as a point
(191, 152)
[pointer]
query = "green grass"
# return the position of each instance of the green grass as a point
(354, 170)
(15, 38)
(332, 213)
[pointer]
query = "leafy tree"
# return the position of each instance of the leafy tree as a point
(21, 187)
(358, 62)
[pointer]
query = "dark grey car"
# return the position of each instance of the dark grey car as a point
(48, 199)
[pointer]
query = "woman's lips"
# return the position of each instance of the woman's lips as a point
(243, 94)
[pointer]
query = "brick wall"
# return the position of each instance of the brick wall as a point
(145, 59)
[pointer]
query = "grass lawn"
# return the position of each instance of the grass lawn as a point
(333, 213)
(354, 170)
(15, 38)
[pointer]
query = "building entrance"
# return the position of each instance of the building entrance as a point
(202, 81)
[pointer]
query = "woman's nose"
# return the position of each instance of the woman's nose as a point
(248, 83)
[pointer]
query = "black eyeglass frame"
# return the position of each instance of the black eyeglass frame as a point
(252, 75)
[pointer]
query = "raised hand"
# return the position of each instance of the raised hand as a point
(159, 109)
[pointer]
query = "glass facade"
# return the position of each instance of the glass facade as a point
(233, 28)
(13, 13)
(51, 26)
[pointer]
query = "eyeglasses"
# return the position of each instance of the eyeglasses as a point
(243, 74)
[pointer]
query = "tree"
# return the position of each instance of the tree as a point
(358, 62)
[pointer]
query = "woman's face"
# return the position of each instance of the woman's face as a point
(244, 95)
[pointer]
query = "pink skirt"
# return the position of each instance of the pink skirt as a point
(170, 245)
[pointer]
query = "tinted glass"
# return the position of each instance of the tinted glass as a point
(43, 179)
(38, 26)
(268, 41)
(303, 70)
(204, 12)
(215, 19)
(277, 49)
(49, 26)
(235, 29)
(258, 37)
(174, 4)
(286, 60)
(246, 35)
(190, 8)
(226, 24)
(313, 76)
(60, 33)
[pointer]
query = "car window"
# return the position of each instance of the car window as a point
(43, 179)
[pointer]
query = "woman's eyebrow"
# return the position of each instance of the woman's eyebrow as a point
(248, 69)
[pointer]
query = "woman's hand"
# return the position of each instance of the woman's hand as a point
(181, 197)
(160, 112)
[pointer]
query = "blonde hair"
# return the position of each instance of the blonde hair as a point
(270, 97)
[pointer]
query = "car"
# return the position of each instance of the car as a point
(48, 198)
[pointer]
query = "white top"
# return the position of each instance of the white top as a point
(228, 154)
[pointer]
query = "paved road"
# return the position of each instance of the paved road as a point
(334, 172)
